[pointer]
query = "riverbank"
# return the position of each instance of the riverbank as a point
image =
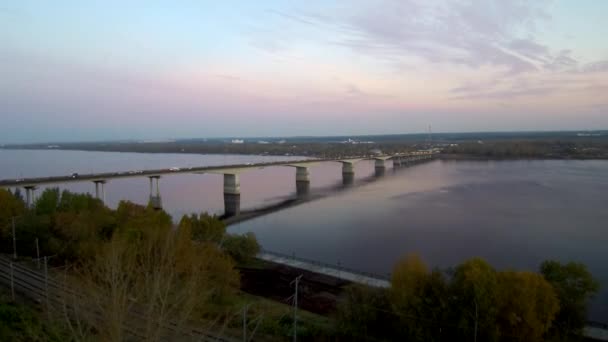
(321, 293)
(473, 157)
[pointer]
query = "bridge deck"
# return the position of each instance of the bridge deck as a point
(26, 182)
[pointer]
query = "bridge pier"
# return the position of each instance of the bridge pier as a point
(155, 199)
(29, 195)
(396, 162)
(380, 167)
(302, 181)
(100, 183)
(232, 194)
(348, 173)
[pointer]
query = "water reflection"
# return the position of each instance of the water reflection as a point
(515, 214)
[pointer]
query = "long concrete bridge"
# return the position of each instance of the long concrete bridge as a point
(232, 191)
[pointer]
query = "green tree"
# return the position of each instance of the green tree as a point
(435, 309)
(48, 202)
(575, 286)
(242, 248)
(10, 207)
(363, 313)
(474, 301)
(204, 227)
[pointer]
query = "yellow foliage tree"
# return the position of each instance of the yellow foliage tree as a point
(409, 279)
(527, 305)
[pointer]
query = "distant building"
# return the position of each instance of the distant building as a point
(237, 141)
(375, 151)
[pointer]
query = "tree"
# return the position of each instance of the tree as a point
(10, 207)
(574, 286)
(204, 227)
(242, 248)
(48, 202)
(435, 310)
(151, 271)
(473, 290)
(408, 284)
(527, 305)
(362, 313)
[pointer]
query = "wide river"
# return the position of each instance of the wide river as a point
(515, 214)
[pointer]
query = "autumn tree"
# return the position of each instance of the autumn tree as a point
(153, 274)
(408, 283)
(527, 305)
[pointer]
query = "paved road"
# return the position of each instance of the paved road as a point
(23, 182)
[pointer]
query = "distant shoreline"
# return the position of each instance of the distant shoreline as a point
(472, 157)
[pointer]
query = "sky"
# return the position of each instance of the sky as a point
(97, 70)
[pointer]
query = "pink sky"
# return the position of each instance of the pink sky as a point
(113, 71)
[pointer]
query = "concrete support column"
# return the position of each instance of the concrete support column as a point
(348, 173)
(155, 199)
(29, 195)
(232, 195)
(380, 167)
(100, 195)
(302, 181)
(396, 162)
(103, 192)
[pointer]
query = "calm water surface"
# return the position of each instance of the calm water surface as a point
(513, 213)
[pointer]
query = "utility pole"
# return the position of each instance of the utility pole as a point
(14, 240)
(37, 254)
(46, 286)
(295, 307)
(12, 283)
(245, 322)
(476, 318)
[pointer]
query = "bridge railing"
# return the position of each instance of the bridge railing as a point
(338, 267)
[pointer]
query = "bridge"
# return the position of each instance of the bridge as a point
(232, 191)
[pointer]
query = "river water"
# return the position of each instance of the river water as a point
(515, 214)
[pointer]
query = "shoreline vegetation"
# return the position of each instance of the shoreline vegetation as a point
(514, 145)
(196, 274)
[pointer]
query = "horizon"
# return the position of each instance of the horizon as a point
(425, 134)
(76, 72)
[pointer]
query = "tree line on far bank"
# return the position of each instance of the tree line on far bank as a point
(531, 149)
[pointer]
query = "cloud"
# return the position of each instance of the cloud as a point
(599, 66)
(506, 94)
(353, 90)
(473, 33)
